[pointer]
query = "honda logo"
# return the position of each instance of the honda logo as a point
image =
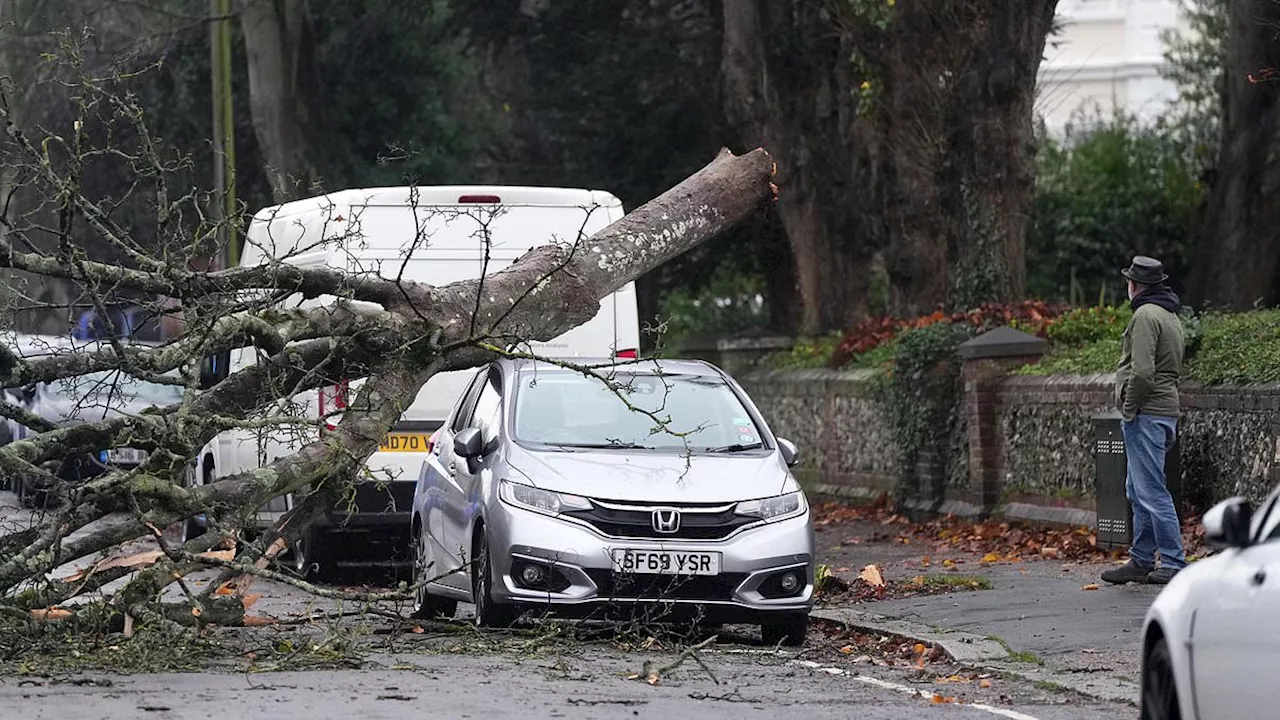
(666, 520)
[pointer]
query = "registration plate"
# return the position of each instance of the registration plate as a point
(666, 562)
(405, 442)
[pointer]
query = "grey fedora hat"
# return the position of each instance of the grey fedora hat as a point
(1145, 271)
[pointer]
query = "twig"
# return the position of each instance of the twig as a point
(652, 675)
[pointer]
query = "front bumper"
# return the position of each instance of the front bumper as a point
(587, 584)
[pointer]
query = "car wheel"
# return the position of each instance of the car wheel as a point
(488, 612)
(1159, 689)
(789, 630)
(425, 605)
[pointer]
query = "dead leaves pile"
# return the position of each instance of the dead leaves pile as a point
(871, 586)
(996, 541)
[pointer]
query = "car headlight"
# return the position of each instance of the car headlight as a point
(539, 500)
(777, 507)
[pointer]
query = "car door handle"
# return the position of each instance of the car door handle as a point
(1259, 577)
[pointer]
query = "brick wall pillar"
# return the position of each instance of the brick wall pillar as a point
(987, 359)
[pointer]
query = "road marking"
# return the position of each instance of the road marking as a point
(927, 695)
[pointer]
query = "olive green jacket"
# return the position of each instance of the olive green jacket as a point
(1150, 364)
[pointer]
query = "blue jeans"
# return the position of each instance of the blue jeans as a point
(1155, 520)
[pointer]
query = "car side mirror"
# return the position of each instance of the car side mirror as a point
(790, 454)
(468, 443)
(1226, 525)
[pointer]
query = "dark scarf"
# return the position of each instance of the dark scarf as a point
(1159, 295)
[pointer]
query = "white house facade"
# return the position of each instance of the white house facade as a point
(1108, 54)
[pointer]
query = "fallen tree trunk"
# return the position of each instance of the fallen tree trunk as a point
(420, 330)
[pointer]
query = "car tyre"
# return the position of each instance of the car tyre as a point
(1159, 688)
(425, 605)
(488, 613)
(790, 631)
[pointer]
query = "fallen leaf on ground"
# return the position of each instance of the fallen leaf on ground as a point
(953, 679)
(258, 620)
(417, 630)
(984, 684)
(1049, 552)
(652, 679)
(990, 558)
(1090, 586)
(943, 699)
(871, 576)
(848, 649)
(249, 600)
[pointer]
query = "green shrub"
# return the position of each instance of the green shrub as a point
(1237, 348)
(1221, 348)
(1110, 189)
(1083, 326)
(806, 353)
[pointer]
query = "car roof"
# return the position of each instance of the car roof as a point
(647, 366)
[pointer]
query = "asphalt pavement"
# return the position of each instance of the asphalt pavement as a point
(1037, 610)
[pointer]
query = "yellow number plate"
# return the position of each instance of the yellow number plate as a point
(405, 442)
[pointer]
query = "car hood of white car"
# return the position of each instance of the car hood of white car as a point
(671, 478)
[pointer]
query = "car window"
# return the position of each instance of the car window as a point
(1266, 525)
(488, 410)
(661, 412)
(462, 415)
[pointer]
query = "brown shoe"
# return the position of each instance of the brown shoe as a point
(1127, 573)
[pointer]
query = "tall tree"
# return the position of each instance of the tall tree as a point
(1238, 253)
(902, 131)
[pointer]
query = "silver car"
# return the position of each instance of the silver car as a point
(649, 487)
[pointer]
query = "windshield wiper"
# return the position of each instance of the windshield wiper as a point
(603, 446)
(737, 447)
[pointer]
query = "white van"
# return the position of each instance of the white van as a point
(432, 235)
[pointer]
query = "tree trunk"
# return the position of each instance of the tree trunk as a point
(1238, 254)
(273, 40)
(904, 129)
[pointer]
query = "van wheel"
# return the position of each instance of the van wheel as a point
(314, 561)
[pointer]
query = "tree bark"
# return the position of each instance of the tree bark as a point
(904, 130)
(273, 40)
(1238, 253)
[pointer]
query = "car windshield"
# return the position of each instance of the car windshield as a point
(570, 409)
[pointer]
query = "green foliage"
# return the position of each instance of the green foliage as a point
(1091, 358)
(807, 353)
(1221, 348)
(1111, 189)
(1237, 348)
(923, 393)
(1083, 326)
(730, 303)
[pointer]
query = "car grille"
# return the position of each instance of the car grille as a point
(629, 586)
(616, 521)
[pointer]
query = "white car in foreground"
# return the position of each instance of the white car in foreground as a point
(1211, 640)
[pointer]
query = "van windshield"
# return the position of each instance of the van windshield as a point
(110, 388)
(568, 409)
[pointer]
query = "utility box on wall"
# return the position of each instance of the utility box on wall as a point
(1115, 512)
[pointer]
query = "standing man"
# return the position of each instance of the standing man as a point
(1147, 396)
